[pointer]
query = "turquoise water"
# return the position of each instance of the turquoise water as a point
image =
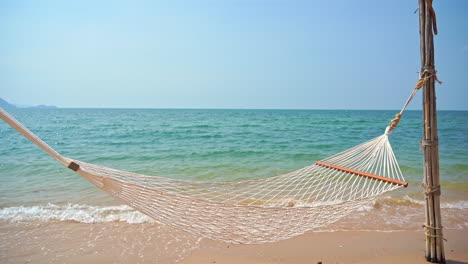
(210, 145)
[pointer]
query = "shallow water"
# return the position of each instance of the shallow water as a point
(214, 145)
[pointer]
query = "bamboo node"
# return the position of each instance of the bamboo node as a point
(431, 190)
(426, 142)
(429, 69)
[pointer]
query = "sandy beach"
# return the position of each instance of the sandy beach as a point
(71, 242)
(335, 247)
(233, 132)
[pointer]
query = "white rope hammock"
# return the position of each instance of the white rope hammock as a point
(253, 211)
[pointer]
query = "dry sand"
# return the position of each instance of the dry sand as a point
(334, 247)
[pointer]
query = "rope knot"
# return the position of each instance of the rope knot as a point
(431, 71)
(395, 121)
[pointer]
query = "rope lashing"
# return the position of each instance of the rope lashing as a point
(432, 73)
(434, 190)
(419, 84)
(431, 230)
(428, 228)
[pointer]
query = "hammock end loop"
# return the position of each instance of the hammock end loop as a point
(388, 131)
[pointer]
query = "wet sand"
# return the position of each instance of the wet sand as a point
(72, 242)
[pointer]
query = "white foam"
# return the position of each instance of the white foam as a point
(414, 201)
(365, 208)
(74, 212)
(123, 213)
(455, 205)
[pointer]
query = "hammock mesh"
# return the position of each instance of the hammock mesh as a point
(252, 211)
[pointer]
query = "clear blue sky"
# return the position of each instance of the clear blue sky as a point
(328, 54)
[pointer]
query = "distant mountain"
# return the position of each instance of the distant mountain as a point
(5, 104)
(43, 106)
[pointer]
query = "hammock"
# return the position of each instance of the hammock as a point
(253, 211)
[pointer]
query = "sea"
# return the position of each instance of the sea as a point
(43, 203)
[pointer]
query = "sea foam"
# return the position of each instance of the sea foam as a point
(123, 213)
(74, 212)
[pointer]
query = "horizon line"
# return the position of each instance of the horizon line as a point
(213, 108)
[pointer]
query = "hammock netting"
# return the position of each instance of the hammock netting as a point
(251, 211)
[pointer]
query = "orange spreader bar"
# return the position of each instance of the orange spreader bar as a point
(361, 173)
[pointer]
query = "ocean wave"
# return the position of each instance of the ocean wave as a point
(398, 201)
(123, 213)
(74, 212)
(411, 202)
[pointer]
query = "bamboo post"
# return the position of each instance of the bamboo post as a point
(430, 143)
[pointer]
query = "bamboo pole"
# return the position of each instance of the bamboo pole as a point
(430, 143)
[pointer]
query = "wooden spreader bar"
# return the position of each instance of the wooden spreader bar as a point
(361, 173)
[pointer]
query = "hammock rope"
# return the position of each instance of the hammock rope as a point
(254, 211)
(419, 84)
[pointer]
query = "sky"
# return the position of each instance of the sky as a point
(268, 54)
